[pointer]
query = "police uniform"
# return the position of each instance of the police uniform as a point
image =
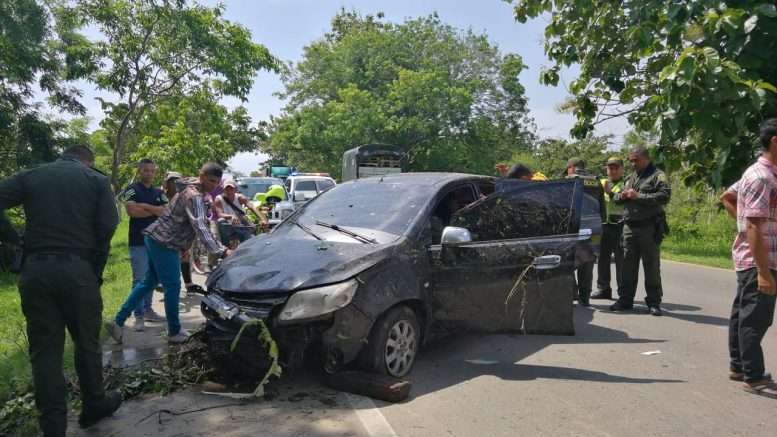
(585, 258)
(612, 232)
(644, 227)
(70, 219)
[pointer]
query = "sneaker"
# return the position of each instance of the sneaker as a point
(602, 294)
(179, 338)
(153, 316)
(90, 415)
(115, 331)
(140, 324)
(655, 311)
(618, 306)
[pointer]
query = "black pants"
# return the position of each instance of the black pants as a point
(60, 291)
(610, 248)
(751, 316)
(639, 243)
(585, 279)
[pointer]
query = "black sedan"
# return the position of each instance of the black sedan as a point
(366, 272)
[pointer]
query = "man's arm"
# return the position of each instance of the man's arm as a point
(137, 210)
(219, 208)
(729, 201)
(659, 196)
(766, 282)
(105, 225)
(245, 202)
(196, 212)
(11, 195)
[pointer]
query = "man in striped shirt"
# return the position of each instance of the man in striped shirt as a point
(174, 231)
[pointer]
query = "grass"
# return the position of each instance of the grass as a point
(15, 377)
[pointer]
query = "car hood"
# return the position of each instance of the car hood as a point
(283, 263)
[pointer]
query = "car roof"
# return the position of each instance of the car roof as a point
(427, 178)
(309, 178)
(254, 179)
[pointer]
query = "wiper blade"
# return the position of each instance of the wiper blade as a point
(308, 230)
(351, 234)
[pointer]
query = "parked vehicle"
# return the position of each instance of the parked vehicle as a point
(373, 160)
(251, 186)
(303, 187)
(366, 272)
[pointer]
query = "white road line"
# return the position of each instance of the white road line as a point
(370, 416)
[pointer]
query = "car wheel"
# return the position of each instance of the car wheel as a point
(394, 343)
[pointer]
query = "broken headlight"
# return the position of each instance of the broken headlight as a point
(317, 302)
(226, 310)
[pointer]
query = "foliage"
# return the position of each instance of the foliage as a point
(182, 132)
(551, 155)
(449, 97)
(158, 49)
(699, 71)
(39, 48)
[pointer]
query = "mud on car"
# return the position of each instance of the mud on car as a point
(367, 272)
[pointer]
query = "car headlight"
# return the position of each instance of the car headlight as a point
(317, 302)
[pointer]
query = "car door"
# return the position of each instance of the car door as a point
(516, 273)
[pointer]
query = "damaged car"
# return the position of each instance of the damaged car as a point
(367, 272)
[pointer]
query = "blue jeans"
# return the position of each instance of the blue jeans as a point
(139, 263)
(164, 265)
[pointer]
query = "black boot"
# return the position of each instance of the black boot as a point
(91, 414)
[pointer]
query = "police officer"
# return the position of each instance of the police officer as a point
(71, 217)
(644, 195)
(612, 232)
(584, 255)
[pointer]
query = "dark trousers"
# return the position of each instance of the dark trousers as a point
(610, 248)
(751, 316)
(639, 243)
(585, 279)
(58, 292)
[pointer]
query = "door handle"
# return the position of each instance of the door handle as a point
(546, 262)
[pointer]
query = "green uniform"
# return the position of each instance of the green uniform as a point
(612, 232)
(585, 259)
(642, 233)
(70, 219)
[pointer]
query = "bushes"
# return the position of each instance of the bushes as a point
(700, 229)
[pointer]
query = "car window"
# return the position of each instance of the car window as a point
(382, 206)
(305, 186)
(445, 209)
(522, 210)
(325, 184)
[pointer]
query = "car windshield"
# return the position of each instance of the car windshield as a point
(380, 206)
(250, 189)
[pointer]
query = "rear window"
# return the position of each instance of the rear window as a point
(305, 186)
(325, 184)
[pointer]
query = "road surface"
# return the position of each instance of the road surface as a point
(597, 383)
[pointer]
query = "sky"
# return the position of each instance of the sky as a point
(285, 27)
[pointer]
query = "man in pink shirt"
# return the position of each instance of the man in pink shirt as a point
(755, 259)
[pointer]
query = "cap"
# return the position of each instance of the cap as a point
(576, 162)
(230, 183)
(614, 160)
(172, 175)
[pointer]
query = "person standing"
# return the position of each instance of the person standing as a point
(70, 219)
(172, 179)
(755, 259)
(585, 259)
(612, 232)
(645, 193)
(143, 203)
(174, 231)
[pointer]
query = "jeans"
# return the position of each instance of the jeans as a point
(164, 265)
(751, 316)
(139, 264)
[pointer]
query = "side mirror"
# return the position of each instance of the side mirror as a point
(453, 235)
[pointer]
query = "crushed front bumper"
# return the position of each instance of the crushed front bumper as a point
(335, 339)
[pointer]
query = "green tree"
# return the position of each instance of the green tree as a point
(699, 71)
(448, 96)
(157, 49)
(39, 47)
(550, 156)
(182, 132)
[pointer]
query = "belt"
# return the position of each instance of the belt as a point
(639, 223)
(86, 254)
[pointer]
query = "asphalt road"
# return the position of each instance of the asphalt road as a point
(596, 383)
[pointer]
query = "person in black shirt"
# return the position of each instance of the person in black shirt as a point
(144, 203)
